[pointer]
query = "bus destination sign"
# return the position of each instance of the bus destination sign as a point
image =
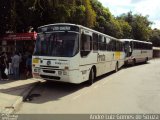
(61, 28)
(58, 28)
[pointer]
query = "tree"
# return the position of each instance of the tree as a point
(5, 8)
(90, 15)
(126, 29)
(140, 25)
(19, 15)
(155, 37)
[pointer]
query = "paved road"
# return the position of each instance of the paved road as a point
(131, 90)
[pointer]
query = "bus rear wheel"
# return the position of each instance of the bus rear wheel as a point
(146, 60)
(91, 77)
(133, 62)
(116, 67)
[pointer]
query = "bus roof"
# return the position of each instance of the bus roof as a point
(80, 26)
(129, 40)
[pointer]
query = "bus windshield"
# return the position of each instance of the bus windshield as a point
(57, 44)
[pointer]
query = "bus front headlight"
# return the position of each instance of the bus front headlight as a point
(59, 72)
(36, 70)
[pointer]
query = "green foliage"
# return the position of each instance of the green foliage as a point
(19, 15)
(108, 24)
(78, 14)
(7, 13)
(126, 29)
(155, 37)
(90, 15)
(140, 25)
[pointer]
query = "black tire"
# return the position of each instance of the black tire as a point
(146, 60)
(91, 77)
(126, 62)
(133, 62)
(116, 67)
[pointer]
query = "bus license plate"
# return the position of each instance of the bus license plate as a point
(35, 60)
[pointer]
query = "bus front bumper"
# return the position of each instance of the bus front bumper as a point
(65, 76)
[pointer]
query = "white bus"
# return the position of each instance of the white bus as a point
(73, 53)
(137, 51)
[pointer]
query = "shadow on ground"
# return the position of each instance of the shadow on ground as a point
(53, 91)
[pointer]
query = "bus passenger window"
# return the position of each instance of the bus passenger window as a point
(86, 44)
(95, 41)
(102, 43)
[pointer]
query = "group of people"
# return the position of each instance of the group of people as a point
(14, 65)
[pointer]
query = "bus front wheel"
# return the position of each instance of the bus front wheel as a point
(133, 62)
(91, 77)
(116, 67)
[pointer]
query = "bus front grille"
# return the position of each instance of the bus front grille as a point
(44, 66)
(48, 71)
(50, 77)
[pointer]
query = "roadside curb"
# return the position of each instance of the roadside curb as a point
(15, 106)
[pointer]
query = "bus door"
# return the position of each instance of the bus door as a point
(86, 59)
(85, 45)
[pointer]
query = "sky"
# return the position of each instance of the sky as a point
(144, 7)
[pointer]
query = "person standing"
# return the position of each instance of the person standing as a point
(0, 67)
(3, 66)
(15, 65)
(10, 70)
(29, 66)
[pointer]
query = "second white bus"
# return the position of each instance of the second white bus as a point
(137, 51)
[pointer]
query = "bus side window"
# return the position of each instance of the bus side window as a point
(113, 45)
(109, 45)
(86, 44)
(133, 45)
(117, 46)
(95, 42)
(102, 43)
